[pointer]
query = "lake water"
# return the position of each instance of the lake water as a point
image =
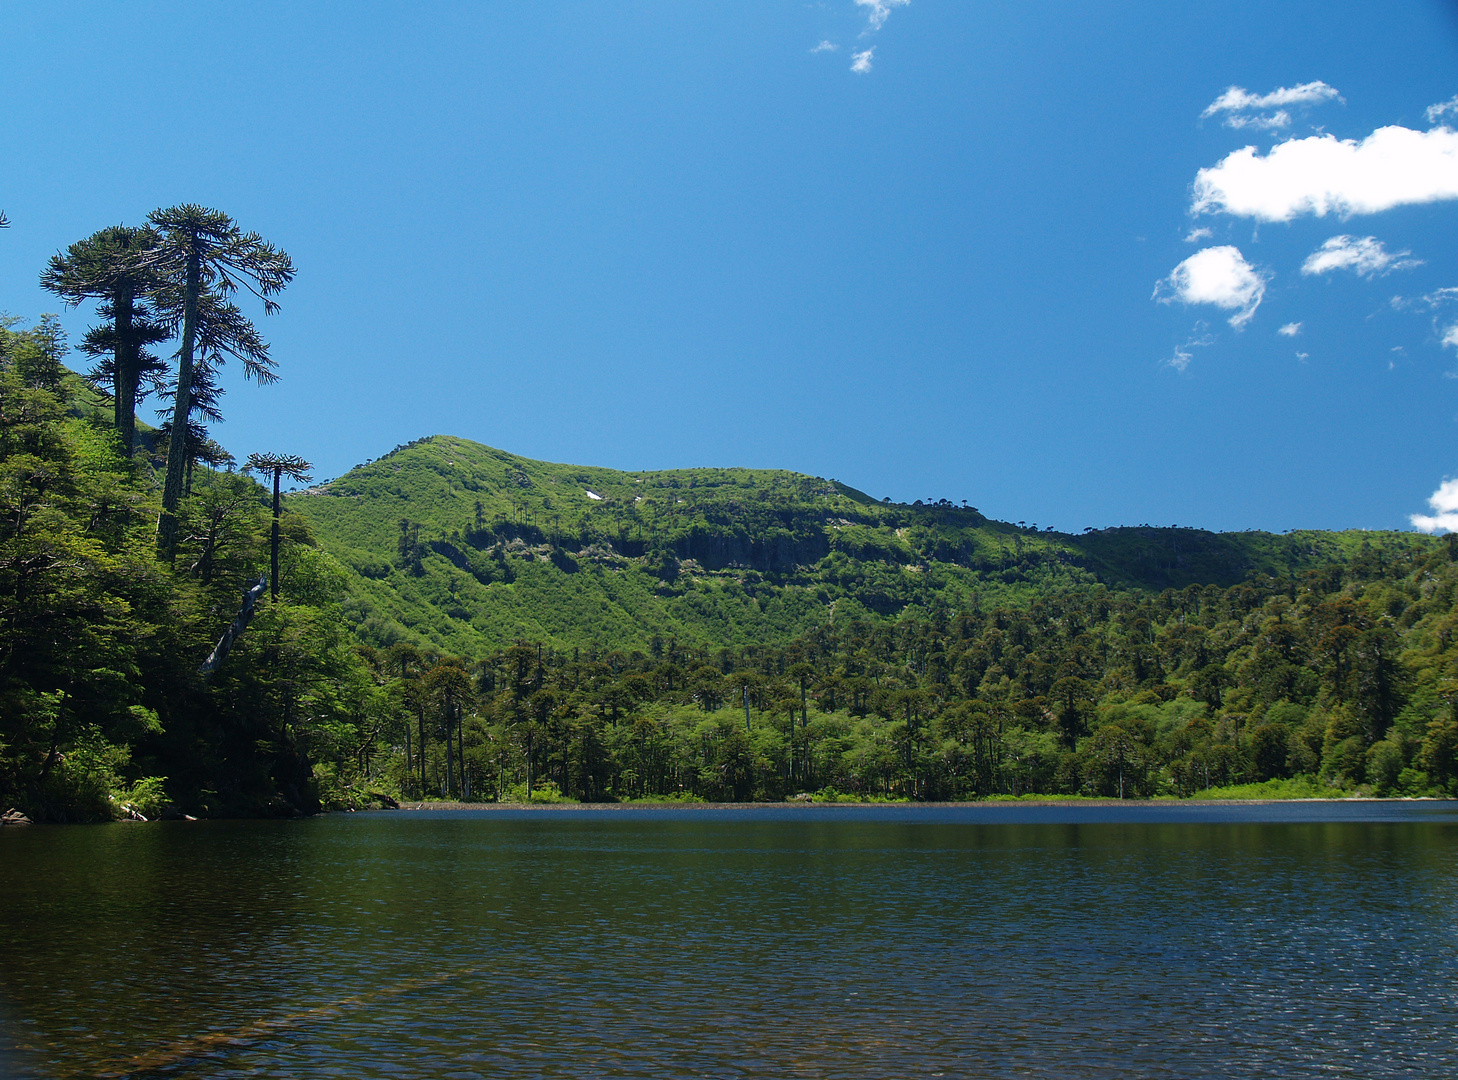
(988, 941)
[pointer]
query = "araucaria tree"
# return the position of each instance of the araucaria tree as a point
(295, 468)
(111, 268)
(202, 258)
(205, 407)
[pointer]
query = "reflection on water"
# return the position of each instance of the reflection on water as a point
(988, 941)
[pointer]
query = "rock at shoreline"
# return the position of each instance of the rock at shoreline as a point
(14, 817)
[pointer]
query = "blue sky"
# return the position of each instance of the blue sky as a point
(930, 249)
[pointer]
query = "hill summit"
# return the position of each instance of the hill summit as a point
(464, 547)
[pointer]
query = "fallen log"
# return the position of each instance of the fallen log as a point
(235, 630)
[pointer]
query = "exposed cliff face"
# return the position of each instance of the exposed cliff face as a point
(779, 553)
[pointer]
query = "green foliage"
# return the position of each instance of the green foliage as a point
(462, 548)
(100, 642)
(104, 267)
(455, 622)
(147, 798)
(547, 793)
(1332, 683)
(1301, 787)
(881, 652)
(199, 258)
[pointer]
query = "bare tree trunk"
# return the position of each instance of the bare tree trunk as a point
(450, 769)
(409, 757)
(181, 409)
(461, 745)
(273, 551)
(124, 375)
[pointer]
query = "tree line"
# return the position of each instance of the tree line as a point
(1336, 680)
(123, 554)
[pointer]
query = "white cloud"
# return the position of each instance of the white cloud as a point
(1321, 174)
(1438, 304)
(880, 11)
(861, 61)
(1444, 502)
(1219, 276)
(1196, 235)
(1433, 301)
(825, 46)
(1182, 355)
(1363, 255)
(1243, 109)
(1291, 329)
(1272, 122)
(1238, 99)
(1442, 109)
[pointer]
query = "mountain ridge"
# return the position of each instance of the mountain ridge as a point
(464, 546)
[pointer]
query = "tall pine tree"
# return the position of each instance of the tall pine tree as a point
(204, 258)
(109, 267)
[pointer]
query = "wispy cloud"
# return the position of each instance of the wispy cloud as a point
(1291, 329)
(825, 46)
(1363, 255)
(1444, 503)
(1438, 305)
(1242, 109)
(1196, 235)
(1433, 301)
(1219, 276)
(1442, 109)
(878, 11)
(1321, 174)
(1276, 121)
(1182, 354)
(1238, 99)
(861, 61)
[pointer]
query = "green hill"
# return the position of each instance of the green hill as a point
(466, 548)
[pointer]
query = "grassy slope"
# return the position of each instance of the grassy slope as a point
(518, 549)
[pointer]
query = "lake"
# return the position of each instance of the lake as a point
(1153, 940)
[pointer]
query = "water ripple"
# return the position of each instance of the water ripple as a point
(731, 946)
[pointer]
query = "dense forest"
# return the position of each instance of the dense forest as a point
(124, 551)
(460, 547)
(1337, 681)
(102, 708)
(452, 621)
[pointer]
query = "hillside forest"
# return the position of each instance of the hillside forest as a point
(454, 622)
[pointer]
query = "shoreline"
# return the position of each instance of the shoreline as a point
(486, 808)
